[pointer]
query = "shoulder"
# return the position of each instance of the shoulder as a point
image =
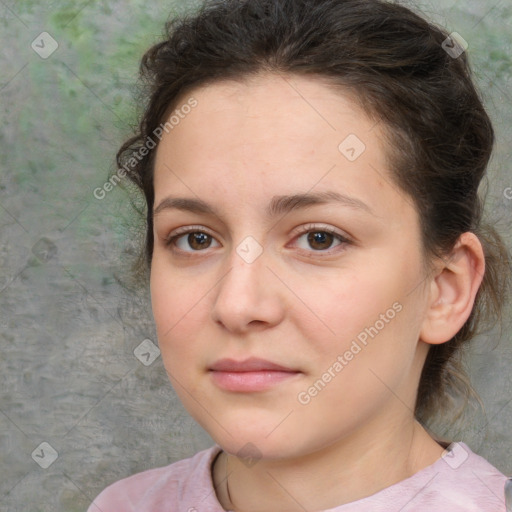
(459, 481)
(159, 489)
(466, 481)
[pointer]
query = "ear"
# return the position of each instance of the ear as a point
(453, 290)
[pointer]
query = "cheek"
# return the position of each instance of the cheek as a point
(364, 365)
(177, 305)
(178, 310)
(371, 313)
(351, 302)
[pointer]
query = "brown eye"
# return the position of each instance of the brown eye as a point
(190, 241)
(199, 240)
(314, 239)
(320, 240)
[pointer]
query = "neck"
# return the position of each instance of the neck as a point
(335, 475)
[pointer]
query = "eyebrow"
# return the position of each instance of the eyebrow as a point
(278, 205)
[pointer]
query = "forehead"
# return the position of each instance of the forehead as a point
(272, 102)
(270, 115)
(273, 134)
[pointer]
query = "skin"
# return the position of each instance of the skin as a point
(244, 143)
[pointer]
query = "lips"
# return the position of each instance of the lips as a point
(252, 364)
(250, 375)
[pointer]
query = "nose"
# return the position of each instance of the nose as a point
(249, 295)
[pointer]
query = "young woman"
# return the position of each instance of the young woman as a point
(317, 257)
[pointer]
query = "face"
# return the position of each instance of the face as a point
(330, 287)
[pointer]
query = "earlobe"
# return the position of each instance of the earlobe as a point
(453, 289)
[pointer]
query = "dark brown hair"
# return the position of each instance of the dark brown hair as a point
(397, 65)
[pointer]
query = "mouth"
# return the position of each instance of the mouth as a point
(250, 375)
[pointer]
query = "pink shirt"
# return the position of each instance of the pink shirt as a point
(460, 481)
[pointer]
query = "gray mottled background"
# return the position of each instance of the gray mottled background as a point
(69, 322)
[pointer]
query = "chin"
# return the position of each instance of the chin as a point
(245, 441)
(253, 449)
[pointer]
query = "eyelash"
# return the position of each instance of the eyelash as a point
(309, 228)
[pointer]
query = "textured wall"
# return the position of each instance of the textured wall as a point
(69, 377)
